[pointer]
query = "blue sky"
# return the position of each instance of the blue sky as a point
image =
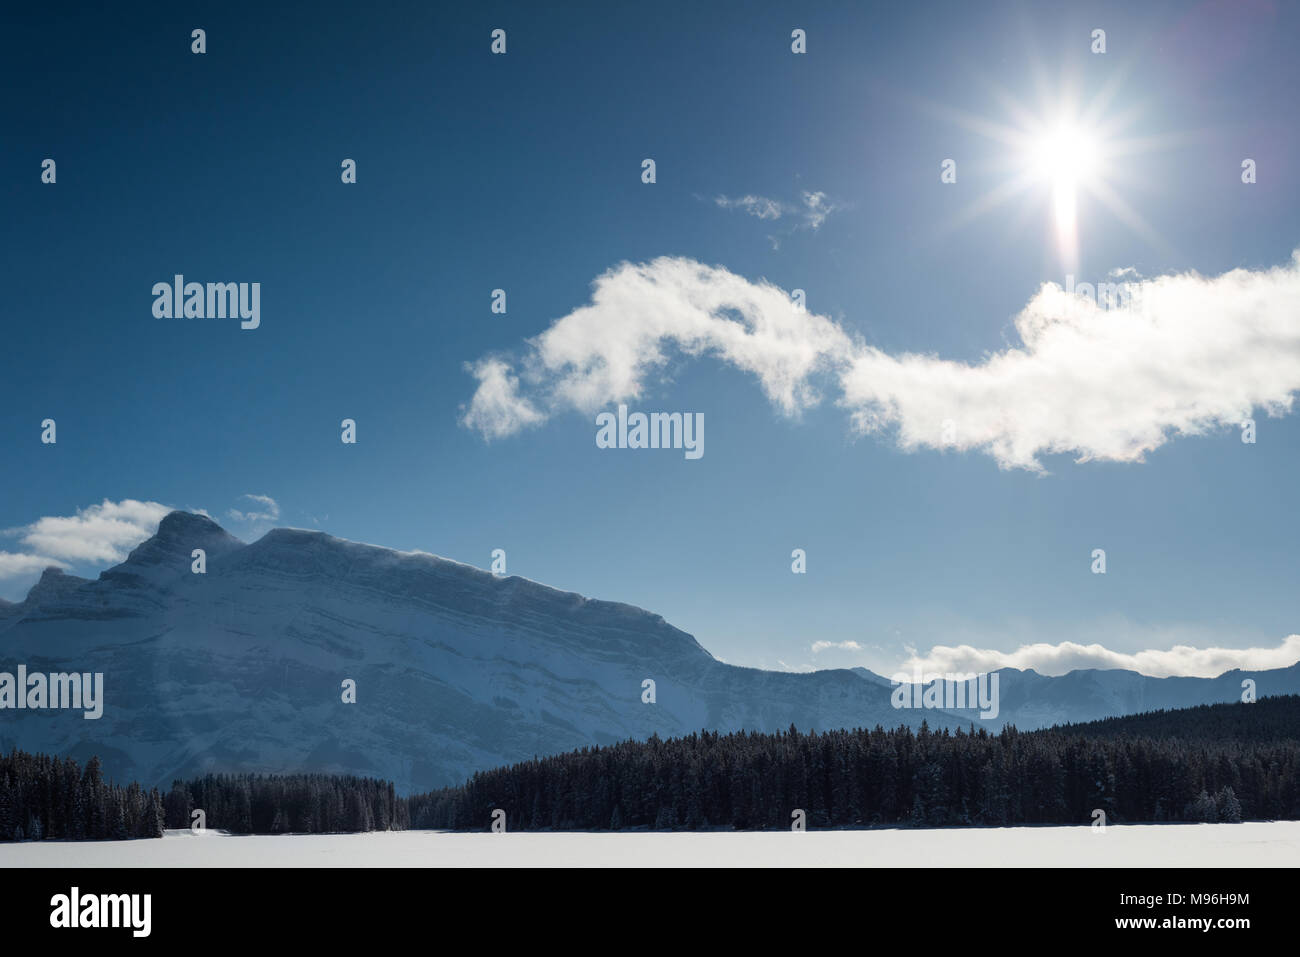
(523, 172)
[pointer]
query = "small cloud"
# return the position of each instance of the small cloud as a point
(498, 409)
(816, 207)
(759, 206)
(809, 212)
(820, 646)
(269, 511)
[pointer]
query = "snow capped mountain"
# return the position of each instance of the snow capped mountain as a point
(242, 668)
(53, 585)
(1029, 700)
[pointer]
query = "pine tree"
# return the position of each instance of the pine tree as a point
(1202, 809)
(6, 809)
(117, 830)
(1227, 805)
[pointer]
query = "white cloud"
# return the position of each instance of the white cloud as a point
(809, 213)
(498, 409)
(816, 208)
(820, 646)
(1189, 355)
(611, 349)
(269, 512)
(97, 534)
(1058, 659)
(17, 565)
(1186, 356)
(759, 206)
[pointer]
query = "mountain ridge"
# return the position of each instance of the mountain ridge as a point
(456, 669)
(243, 668)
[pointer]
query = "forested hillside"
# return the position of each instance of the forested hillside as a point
(1211, 763)
(1170, 766)
(1268, 719)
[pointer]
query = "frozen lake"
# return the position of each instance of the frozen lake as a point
(1271, 844)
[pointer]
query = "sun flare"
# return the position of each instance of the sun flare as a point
(1077, 156)
(1064, 156)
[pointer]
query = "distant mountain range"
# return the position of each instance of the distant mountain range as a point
(1029, 700)
(242, 668)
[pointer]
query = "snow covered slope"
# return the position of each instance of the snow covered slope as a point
(456, 670)
(241, 668)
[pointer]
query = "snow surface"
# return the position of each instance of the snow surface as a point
(1255, 844)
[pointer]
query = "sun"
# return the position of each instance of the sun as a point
(1066, 157)
(1071, 154)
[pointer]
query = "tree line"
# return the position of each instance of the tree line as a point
(45, 798)
(278, 804)
(1171, 769)
(1210, 763)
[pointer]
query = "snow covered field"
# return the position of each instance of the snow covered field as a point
(1275, 844)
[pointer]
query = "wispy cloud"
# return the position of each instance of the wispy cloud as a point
(1058, 659)
(759, 206)
(269, 509)
(1188, 355)
(809, 212)
(499, 408)
(816, 207)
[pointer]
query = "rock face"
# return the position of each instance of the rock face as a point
(53, 586)
(241, 668)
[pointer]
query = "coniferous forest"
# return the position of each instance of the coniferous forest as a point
(1227, 762)
(278, 804)
(44, 798)
(1215, 763)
